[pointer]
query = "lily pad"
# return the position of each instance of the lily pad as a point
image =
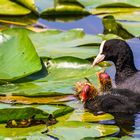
(7, 7)
(62, 7)
(30, 4)
(21, 20)
(37, 6)
(34, 100)
(113, 27)
(110, 3)
(81, 114)
(18, 57)
(78, 130)
(128, 14)
(67, 43)
(20, 132)
(24, 112)
(59, 79)
(131, 27)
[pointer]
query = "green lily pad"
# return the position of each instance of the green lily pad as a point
(109, 36)
(30, 4)
(110, 3)
(20, 132)
(81, 114)
(8, 112)
(113, 27)
(67, 43)
(128, 14)
(63, 7)
(21, 20)
(21, 113)
(8, 7)
(18, 57)
(131, 27)
(59, 79)
(78, 130)
(37, 6)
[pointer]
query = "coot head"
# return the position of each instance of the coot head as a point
(119, 52)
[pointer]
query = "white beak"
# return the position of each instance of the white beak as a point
(99, 58)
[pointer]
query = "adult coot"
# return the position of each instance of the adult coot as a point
(119, 52)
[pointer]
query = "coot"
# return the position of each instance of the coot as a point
(119, 52)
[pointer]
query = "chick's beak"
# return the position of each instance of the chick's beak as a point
(99, 58)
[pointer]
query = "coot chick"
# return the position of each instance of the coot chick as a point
(112, 101)
(119, 52)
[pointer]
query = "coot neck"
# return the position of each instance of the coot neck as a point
(125, 67)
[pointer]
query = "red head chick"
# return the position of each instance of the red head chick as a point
(86, 90)
(104, 81)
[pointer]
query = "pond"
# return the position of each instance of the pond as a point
(36, 89)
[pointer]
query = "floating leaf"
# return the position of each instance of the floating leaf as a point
(20, 132)
(7, 7)
(24, 112)
(34, 100)
(30, 4)
(22, 20)
(112, 27)
(110, 3)
(128, 14)
(65, 44)
(81, 114)
(18, 57)
(21, 113)
(131, 27)
(78, 130)
(62, 7)
(59, 79)
(109, 36)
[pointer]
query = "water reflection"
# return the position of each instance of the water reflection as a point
(91, 24)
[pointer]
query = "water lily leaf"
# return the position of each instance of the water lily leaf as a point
(132, 27)
(8, 7)
(109, 36)
(20, 133)
(128, 14)
(36, 5)
(21, 113)
(60, 77)
(42, 112)
(30, 4)
(110, 3)
(81, 114)
(65, 44)
(63, 7)
(78, 130)
(105, 138)
(22, 20)
(34, 100)
(89, 117)
(18, 57)
(113, 27)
